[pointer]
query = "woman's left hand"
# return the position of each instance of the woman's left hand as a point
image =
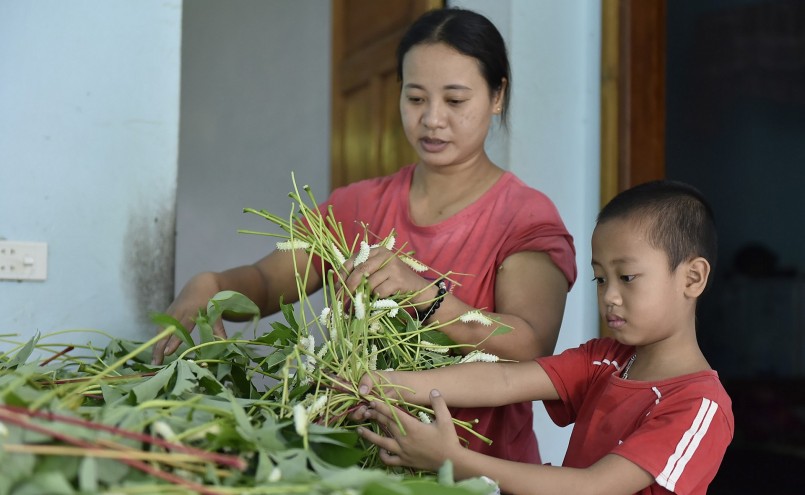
(418, 445)
(385, 274)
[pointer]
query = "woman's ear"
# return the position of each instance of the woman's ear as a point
(500, 96)
(698, 272)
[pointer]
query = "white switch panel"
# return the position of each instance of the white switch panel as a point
(23, 260)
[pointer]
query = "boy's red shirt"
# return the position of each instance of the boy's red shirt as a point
(676, 429)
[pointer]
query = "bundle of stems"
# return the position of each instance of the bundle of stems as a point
(356, 332)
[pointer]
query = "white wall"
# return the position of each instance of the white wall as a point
(553, 141)
(89, 121)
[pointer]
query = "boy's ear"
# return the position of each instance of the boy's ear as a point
(698, 271)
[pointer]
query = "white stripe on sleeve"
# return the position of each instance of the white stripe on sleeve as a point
(687, 445)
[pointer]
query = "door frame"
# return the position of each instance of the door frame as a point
(633, 54)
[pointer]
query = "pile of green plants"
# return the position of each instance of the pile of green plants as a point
(268, 414)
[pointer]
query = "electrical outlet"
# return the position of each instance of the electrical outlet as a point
(23, 260)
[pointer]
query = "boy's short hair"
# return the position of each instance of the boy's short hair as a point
(676, 217)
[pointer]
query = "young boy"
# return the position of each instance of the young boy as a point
(650, 414)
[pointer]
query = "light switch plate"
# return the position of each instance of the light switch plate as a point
(23, 260)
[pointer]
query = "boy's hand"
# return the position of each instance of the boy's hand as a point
(366, 387)
(422, 446)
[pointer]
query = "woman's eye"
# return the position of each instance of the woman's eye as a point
(627, 278)
(456, 102)
(414, 99)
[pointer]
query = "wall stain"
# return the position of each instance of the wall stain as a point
(148, 262)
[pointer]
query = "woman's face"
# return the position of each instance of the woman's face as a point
(446, 105)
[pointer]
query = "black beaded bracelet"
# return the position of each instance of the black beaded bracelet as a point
(440, 293)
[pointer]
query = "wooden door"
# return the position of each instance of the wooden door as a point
(367, 136)
(632, 94)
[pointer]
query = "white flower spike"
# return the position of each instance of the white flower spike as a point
(478, 356)
(363, 254)
(360, 308)
(476, 317)
(339, 256)
(388, 304)
(373, 358)
(292, 245)
(324, 317)
(317, 406)
(300, 419)
(439, 349)
(414, 264)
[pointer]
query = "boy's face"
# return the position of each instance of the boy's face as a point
(639, 298)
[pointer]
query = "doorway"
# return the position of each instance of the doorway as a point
(733, 125)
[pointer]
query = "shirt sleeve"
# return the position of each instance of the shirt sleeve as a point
(538, 227)
(681, 442)
(576, 371)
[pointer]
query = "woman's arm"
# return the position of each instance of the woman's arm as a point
(530, 295)
(264, 282)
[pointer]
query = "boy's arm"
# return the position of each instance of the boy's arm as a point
(466, 385)
(428, 446)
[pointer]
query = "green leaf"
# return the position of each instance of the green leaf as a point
(165, 320)
(14, 466)
(22, 355)
(280, 332)
(288, 313)
(186, 380)
(51, 483)
(369, 479)
(269, 436)
(149, 389)
(501, 330)
(88, 475)
(386, 488)
(437, 337)
(231, 303)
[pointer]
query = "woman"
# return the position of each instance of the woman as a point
(457, 210)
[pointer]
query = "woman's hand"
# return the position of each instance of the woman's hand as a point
(193, 297)
(418, 445)
(386, 275)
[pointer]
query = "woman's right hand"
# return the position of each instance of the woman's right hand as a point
(194, 297)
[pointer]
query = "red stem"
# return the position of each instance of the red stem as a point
(57, 355)
(223, 459)
(142, 466)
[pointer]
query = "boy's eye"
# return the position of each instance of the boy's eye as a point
(598, 280)
(627, 278)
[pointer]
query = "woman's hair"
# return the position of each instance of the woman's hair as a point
(676, 217)
(470, 34)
